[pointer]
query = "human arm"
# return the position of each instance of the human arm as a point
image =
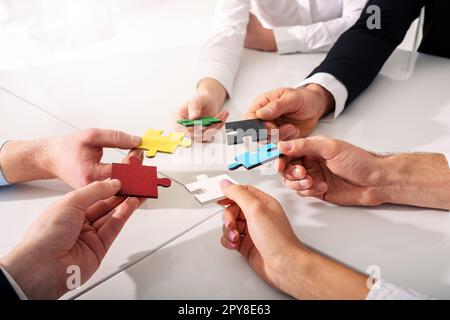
(338, 172)
(74, 158)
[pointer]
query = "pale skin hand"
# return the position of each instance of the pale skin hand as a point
(343, 174)
(258, 37)
(75, 158)
(207, 102)
(76, 230)
(256, 226)
(294, 112)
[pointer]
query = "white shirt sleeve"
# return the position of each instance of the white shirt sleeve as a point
(14, 285)
(222, 53)
(334, 86)
(384, 290)
(319, 36)
(3, 181)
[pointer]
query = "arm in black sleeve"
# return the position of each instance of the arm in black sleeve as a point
(360, 53)
(7, 291)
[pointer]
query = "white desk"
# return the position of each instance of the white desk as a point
(131, 84)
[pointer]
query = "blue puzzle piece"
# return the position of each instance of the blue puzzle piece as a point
(251, 160)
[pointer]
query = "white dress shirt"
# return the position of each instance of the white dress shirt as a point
(384, 290)
(298, 25)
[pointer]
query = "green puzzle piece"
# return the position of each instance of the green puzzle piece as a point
(204, 122)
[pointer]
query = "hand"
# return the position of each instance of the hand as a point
(75, 158)
(77, 231)
(256, 226)
(207, 103)
(340, 173)
(331, 170)
(294, 112)
(258, 37)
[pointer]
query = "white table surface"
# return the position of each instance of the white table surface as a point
(136, 71)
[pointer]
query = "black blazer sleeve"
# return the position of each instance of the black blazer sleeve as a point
(360, 53)
(7, 292)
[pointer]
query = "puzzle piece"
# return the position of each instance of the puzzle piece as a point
(138, 180)
(252, 160)
(210, 186)
(237, 130)
(204, 122)
(154, 142)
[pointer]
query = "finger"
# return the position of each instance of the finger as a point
(288, 132)
(194, 110)
(312, 146)
(285, 104)
(229, 216)
(85, 197)
(299, 185)
(247, 198)
(112, 227)
(295, 171)
(102, 171)
(262, 100)
(99, 209)
(318, 190)
(228, 244)
(110, 139)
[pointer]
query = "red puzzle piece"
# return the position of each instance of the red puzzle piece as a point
(138, 180)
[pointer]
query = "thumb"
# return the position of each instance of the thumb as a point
(287, 103)
(194, 110)
(242, 196)
(316, 146)
(85, 197)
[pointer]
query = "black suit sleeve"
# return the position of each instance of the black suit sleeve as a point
(7, 292)
(360, 53)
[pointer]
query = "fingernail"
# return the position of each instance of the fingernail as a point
(115, 183)
(265, 111)
(286, 145)
(226, 222)
(225, 183)
(304, 183)
(233, 235)
(296, 172)
(136, 140)
(291, 131)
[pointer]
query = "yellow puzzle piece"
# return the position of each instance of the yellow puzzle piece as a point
(154, 142)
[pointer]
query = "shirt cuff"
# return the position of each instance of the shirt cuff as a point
(219, 72)
(287, 42)
(334, 86)
(383, 290)
(3, 181)
(14, 285)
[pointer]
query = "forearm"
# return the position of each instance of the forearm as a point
(418, 179)
(23, 161)
(314, 276)
(213, 88)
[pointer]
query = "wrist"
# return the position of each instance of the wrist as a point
(23, 161)
(323, 99)
(214, 90)
(418, 179)
(29, 273)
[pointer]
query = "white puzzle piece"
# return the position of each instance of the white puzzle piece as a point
(209, 186)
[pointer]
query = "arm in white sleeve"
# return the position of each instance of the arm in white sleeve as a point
(319, 36)
(222, 53)
(384, 290)
(334, 86)
(3, 181)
